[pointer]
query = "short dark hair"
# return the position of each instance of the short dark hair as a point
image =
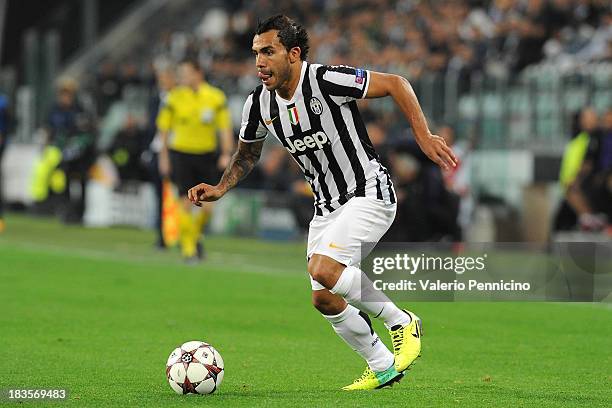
(290, 33)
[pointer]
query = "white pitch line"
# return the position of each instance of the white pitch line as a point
(217, 259)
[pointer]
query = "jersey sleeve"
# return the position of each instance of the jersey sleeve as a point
(164, 117)
(223, 119)
(251, 128)
(345, 83)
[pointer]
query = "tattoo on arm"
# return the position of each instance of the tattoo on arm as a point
(241, 164)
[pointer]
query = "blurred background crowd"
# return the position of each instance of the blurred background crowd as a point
(521, 88)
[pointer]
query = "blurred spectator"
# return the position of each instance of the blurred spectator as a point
(458, 179)
(411, 224)
(577, 169)
(532, 31)
(596, 187)
(67, 116)
(442, 206)
(108, 88)
(604, 159)
(127, 150)
(301, 199)
(67, 156)
(378, 137)
(599, 47)
(426, 210)
(129, 75)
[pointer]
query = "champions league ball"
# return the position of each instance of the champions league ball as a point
(195, 368)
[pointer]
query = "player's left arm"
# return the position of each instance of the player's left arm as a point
(382, 84)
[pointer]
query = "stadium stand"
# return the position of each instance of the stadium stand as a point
(504, 74)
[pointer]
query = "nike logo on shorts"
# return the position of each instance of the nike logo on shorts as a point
(334, 246)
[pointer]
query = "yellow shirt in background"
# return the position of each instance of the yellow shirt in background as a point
(194, 118)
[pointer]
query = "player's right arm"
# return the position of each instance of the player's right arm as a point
(252, 136)
(240, 166)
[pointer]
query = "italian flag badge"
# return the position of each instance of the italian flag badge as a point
(293, 115)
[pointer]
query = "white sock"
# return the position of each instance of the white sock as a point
(371, 301)
(355, 329)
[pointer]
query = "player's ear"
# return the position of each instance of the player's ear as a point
(295, 54)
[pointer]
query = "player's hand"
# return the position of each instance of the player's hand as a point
(204, 192)
(224, 161)
(436, 149)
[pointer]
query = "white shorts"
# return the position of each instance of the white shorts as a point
(340, 234)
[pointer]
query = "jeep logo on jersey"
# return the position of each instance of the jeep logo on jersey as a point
(313, 142)
(316, 106)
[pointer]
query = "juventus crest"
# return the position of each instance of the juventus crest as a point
(316, 106)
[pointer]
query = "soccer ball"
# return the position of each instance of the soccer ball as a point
(195, 368)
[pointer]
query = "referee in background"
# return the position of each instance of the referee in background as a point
(197, 143)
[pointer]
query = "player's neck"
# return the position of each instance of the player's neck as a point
(287, 90)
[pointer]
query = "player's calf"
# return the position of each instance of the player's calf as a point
(327, 303)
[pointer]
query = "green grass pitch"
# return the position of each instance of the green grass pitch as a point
(97, 311)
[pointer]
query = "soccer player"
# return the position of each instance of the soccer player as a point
(193, 114)
(311, 110)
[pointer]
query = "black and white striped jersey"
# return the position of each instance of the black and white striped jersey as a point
(323, 131)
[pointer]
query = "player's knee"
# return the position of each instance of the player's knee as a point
(314, 268)
(324, 270)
